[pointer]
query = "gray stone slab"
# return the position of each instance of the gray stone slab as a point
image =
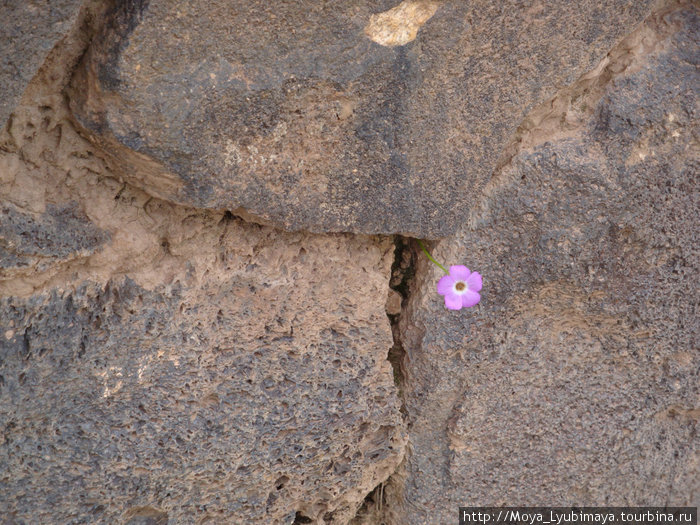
(246, 399)
(295, 113)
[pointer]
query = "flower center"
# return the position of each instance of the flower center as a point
(460, 286)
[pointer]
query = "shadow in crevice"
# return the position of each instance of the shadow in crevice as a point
(400, 284)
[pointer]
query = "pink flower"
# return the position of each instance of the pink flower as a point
(460, 288)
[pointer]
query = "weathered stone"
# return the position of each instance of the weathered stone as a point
(61, 233)
(575, 381)
(253, 386)
(162, 364)
(296, 114)
(29, 29)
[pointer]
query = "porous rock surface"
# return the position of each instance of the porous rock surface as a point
(61, 233)
(164, 364)
(242, 390)
(28, 32)
(363, 116)
(163, 360)
(575, 381)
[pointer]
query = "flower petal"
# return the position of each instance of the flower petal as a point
(453, 301)
(459, 272)
(469, 298)
(445, 284)
(474, 282)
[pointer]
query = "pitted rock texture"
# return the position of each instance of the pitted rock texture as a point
(163, 360)
(292, 112)
(244, 390)
(60, 233)
(28, 31)
(575, 381)
(163, 364)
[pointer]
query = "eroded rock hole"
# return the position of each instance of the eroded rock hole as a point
(300, 518)
(281, 482)
(372, 509)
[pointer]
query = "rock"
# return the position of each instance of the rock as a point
(366, 117)
(574, 382)
(393, 303)
(61, 233)
(163, 364)
(163, 360)
(249, 388)
(28, 31)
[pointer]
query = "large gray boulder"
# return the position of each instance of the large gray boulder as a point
(575, 381)
(370, 116)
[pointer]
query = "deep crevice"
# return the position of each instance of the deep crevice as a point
(381, 506)
(400, 282)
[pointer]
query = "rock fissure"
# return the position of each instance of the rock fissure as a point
(380, 505)
(402, 276)
(374, 509)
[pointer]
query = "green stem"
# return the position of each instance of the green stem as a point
(420, 243)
